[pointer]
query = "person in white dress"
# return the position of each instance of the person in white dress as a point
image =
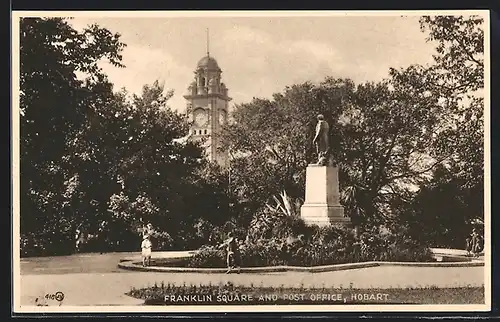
(146, 250)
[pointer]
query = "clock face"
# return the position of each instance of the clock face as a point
(222, 117)
(200, 118)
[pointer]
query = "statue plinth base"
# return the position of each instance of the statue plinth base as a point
(322, 203)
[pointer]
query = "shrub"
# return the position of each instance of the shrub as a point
(208, 257)
(318, 246)
(268, 224)
(161, 240)
(279, 221)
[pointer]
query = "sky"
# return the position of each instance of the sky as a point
(260, 56)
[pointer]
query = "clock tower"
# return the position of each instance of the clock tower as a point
(207, 108)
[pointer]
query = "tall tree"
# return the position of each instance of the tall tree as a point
(457, 79)
(53, 104)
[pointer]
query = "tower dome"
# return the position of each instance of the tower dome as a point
(207, 105)
(208, 63)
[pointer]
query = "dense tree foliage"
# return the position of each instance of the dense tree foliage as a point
(403, 144)
(98, 162)
(453, 198)
(53, 106)
(380, 133)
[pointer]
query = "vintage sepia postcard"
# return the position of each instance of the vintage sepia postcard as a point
(251, 161)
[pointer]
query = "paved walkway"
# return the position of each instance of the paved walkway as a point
(86, 263)
(95, 279)
(109, 288)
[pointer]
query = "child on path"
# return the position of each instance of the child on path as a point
(146, 250)
(233, 253)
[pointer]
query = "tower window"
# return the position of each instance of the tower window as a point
(205, 131)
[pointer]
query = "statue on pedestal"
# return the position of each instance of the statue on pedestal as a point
(321, 141)
(322, 194)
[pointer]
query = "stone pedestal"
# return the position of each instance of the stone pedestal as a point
(322, 203)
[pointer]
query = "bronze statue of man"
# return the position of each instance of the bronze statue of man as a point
(321, 140)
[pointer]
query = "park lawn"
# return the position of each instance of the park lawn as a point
(232, 295)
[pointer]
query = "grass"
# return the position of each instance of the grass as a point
(229, 294)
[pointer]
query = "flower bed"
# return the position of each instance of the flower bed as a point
(325, 246)
(259, 255)
(229, 294)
